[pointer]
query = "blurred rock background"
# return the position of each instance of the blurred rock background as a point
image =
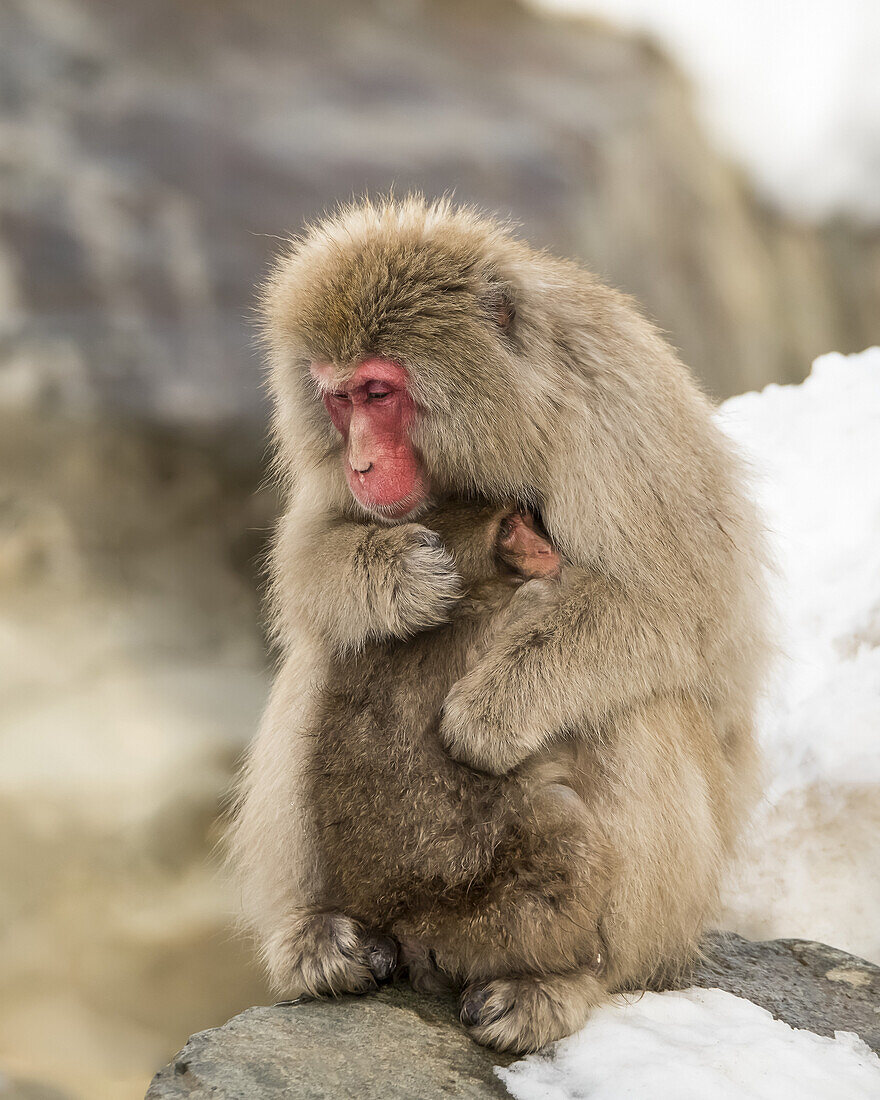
(150, 157)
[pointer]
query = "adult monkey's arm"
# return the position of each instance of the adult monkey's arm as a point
(348, 582)
(591, 652)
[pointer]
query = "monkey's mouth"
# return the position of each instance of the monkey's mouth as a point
(385, 499)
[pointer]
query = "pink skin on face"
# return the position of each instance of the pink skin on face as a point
(521, 545)
(373, 411)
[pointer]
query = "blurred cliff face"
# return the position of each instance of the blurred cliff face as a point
(149, 156)
(152, 152)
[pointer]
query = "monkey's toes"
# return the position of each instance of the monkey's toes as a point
(475, 1008)
(320, 954)
(522, 1015)
(381, 954)
(424, 536)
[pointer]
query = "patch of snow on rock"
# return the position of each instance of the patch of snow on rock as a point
(691, 1045)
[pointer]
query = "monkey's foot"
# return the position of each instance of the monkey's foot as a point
(420, 963)
(328, 953)
(521, 1015)
(382, 955)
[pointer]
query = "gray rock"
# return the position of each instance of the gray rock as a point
(806, 984)
(398, 1044)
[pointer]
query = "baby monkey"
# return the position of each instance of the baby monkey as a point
(421, 864)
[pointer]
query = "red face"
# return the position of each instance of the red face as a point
(373, 411)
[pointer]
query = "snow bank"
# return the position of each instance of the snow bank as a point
(813, 869)
(691, 1045)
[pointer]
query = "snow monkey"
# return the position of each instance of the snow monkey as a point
(601, 724)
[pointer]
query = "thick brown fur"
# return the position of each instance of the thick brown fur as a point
(631, 681)
(490, 874)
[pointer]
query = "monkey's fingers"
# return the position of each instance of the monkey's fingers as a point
(381, 955)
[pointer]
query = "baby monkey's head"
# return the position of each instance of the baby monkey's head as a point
(492, 543)
(523, 545)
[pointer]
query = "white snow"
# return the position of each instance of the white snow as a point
(695, 1045)
(791, 89)
(813, 866)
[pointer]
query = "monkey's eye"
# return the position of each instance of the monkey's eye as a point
(376, 393)
(340, 395)
(506, 527)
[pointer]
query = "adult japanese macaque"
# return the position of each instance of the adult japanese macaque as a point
(421, 354)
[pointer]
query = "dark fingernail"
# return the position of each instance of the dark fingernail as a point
(472, 1004)
(382, 958)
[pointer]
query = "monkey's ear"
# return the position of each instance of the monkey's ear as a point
(500, 304)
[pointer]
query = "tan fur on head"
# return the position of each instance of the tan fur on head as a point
(540, 784)
(384, 269)
(577, 407)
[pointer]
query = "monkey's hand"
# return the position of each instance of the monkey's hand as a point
(481, 725)
(593, 650)
(410, 577)
(349, 583)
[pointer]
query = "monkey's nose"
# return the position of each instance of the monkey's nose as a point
(362, 467)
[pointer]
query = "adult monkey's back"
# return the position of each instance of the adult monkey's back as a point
(418, 350)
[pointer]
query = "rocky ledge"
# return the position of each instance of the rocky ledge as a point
(398, 1044)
